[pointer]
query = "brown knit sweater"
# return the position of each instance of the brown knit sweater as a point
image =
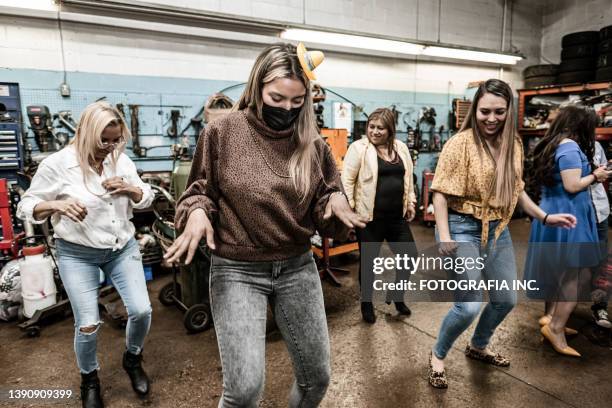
(239, 176)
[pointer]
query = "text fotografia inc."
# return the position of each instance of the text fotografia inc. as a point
(462, 285)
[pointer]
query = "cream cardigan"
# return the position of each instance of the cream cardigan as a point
(360, 176)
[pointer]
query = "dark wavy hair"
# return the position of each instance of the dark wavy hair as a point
(387, 117)
(573, 122)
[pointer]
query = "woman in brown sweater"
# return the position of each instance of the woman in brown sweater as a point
(267, 180)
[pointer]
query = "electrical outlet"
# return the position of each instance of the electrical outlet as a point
(65, 89)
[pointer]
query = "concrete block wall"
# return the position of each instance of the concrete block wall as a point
(132, 66)
(474, 23)
(35, 44)
(567, 16)
(279, 10)
(97, 49)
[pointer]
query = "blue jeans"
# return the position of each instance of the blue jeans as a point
(239, 295)
(499, 265)
(79, 268)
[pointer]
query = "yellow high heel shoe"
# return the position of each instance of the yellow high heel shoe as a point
(545, 320)
(566, 351)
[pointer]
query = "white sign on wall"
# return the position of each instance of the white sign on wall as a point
(343, 116)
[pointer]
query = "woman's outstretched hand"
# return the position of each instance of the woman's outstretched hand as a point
(198, 226)
(447, 248)
(566, 221)
(410, 212)
(339, 207)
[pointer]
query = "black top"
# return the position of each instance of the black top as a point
(389, 200)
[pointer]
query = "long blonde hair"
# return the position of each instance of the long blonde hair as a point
(88, 136)
(503, 183)
(281, 61)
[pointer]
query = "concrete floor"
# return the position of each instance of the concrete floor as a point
(381, 365)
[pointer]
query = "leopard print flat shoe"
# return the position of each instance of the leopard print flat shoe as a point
(493, 359)
(437, 379)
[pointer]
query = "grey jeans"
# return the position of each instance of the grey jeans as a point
(239, 294)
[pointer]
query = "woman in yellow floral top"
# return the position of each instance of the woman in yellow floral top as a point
(477, 185)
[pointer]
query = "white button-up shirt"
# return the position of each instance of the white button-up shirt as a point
(107, 224)
(598, 192)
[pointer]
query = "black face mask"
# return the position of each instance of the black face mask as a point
(279, 118)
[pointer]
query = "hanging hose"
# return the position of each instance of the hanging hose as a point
(232, 87)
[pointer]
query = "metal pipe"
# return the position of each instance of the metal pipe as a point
(66, 124)
(155, 158)
(503, 37)
(503, 33)
(439, 18)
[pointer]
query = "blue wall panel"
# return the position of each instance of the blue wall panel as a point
(42, 87)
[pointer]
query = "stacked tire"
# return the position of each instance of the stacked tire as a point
(540, 75)
(604, 62)
(579, 57)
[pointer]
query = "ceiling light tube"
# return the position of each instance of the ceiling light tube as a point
(31, 4)
(353, 41)
(397, 47)
(470, 55)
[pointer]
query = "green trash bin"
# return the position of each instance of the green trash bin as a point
(189, 287)
(194, 279)
(180, 174)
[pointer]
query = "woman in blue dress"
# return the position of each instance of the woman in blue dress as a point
(563, 170)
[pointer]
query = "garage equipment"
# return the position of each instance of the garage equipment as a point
(175, 115)
(461, 108)
(11, 150)
(134, 128)
(38, 289)
(426, 197)
(8, 244)
(217, 106)
(65, 120)
(41, 125)
(189, 287)
(46, 308)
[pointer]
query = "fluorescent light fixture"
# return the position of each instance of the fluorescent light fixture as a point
(353, 41)
(31, 4)
(470, 55)
(398, 47)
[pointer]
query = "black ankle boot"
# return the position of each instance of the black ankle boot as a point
(367, 312)
(402, 308)
(90, 390)
(132, 363)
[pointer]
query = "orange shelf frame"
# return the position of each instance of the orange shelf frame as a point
(603, 134)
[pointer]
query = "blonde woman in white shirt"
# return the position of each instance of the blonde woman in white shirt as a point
(89, 189)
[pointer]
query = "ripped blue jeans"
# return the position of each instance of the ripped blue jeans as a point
(79, 268)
